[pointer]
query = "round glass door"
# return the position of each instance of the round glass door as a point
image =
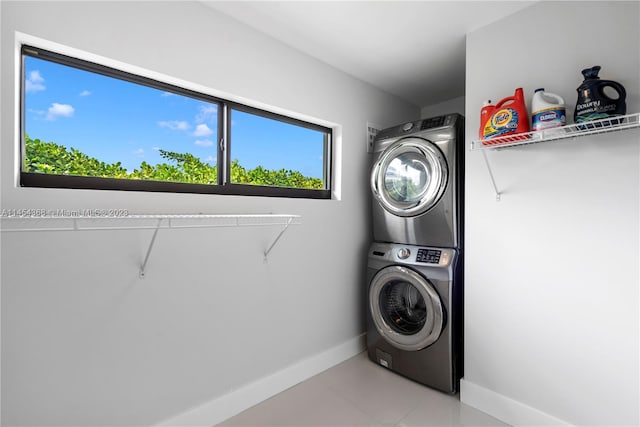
(405, 308)
(410, 177)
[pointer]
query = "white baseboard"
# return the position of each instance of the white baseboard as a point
(223, 407)
(504, 408)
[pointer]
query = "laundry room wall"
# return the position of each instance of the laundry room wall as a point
(84, 340)
(454, 105)
(552, 269)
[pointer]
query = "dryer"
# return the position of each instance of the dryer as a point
(414, 322)
(417, 182)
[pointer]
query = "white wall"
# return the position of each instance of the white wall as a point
(552, 270)
(84, 341)
(455, 105)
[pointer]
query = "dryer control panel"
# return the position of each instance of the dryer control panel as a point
(433, 122)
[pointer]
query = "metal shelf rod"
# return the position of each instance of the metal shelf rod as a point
(493, 181)
(143, 267)
(266, 253)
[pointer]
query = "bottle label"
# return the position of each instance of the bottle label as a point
(596, 110)
(548, 118)
(503, 121)
(593, 116)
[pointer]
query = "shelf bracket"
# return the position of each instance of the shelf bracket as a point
(266, 252)
(143, 267)
(493, 181)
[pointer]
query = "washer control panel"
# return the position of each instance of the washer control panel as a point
(428, 256)
(413, 255)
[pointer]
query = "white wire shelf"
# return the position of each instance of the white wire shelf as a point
(39, 220)
(24, 220)
(610, 124)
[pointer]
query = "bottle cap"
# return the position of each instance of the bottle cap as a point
(591, 73)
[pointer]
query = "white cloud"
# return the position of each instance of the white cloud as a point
(174, 125)
(207, 112)
(210, 159)
(202, 130)
(35, 82)
(139, 152)
(204, 143)
(167, 94)
(59, 110)
(35, 77)
(38, 112)
(85, 93)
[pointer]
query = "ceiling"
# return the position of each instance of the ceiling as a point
(412, 49)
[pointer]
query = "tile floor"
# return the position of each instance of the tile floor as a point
(358, 392)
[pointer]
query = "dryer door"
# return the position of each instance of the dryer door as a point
(410, 177)
(405, 308)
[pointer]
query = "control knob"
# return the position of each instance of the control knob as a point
(407, 127)
(403, 253)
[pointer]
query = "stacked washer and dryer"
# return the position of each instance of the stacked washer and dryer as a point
(414, 271)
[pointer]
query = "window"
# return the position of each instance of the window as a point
(86, 125)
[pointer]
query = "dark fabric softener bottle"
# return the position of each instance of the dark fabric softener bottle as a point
(594, 103)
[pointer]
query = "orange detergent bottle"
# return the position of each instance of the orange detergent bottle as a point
(485, 114)
(509, 117)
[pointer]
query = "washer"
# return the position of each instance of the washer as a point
(414, 322)
(417, 182)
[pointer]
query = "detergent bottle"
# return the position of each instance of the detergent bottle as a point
(509, 117)
(594, 103)
(548, 110)
(485, 114)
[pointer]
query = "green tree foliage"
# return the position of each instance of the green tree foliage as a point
(185, 168)
(47, 157)
(52, 158)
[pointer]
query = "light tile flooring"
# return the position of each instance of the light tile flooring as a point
(358, 392)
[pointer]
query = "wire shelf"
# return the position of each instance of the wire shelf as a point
(34, 220)
(25, 220)
(610, 124)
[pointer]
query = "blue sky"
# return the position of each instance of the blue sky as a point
(114, 120)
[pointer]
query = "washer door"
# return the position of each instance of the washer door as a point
(410, 177)
(405, 307)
